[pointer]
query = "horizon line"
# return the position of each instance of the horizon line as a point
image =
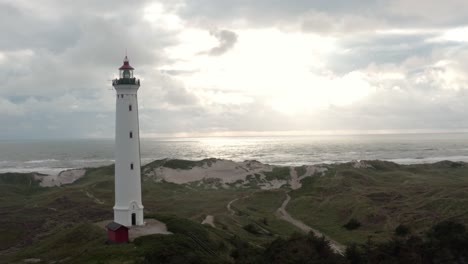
(241, 134)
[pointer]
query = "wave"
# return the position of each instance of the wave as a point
(90, 160)
(43, 170)
(41, 161)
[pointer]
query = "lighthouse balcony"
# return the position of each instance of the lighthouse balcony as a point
(126, 81)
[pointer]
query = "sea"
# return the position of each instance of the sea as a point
(53, 156)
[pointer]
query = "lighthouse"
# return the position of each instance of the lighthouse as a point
(128, 209)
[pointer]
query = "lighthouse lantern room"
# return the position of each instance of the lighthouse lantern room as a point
(128, 208)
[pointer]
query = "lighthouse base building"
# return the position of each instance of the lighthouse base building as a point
(128, 208)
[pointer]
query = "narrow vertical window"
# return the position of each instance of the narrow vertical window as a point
(131, 134)
(129, 107)
(131, 166)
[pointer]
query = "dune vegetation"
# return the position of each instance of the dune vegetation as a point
(376, 197)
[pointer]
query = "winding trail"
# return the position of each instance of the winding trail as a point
(229, 206)
(90, 195)
(284, 215)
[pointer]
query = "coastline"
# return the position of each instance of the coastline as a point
(227, 172)
(55, 171)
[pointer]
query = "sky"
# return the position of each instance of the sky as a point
(234, 68)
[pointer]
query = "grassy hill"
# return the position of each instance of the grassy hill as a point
(57, 223)
(381, 197)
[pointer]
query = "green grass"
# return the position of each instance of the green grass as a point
(186, 164)
(381, 198)
(86, 243)
(34, 220)
(301, 170)
(278, 173)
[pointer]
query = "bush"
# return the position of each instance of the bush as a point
(301, 249)
(251, 228)
(402, 230)
(352, 224)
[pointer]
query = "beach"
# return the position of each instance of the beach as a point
(54, 156)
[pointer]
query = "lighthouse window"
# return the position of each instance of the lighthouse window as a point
(129, 107)
(131, 166)
(131, 134)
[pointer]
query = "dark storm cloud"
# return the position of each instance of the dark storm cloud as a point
(227, 39)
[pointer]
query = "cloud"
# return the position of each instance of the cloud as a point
(272, 65)
(227, 39)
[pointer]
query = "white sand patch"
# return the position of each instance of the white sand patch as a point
(225, 170)
(273, 184)
(360, 164)
(228, 174)
(295, 183)
(64, 177)
(311, 170)
(209, 220)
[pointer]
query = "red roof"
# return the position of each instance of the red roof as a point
(115, 226)
(126, 65)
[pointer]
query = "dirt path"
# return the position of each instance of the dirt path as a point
(96, 200)
(284, 215)
(229, 206)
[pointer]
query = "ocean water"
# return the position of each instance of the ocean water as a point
(53, 156)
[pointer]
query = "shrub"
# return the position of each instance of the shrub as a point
(352, 224)
(402, 230)
(251, 229)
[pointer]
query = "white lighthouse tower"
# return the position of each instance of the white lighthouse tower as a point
(128, 209)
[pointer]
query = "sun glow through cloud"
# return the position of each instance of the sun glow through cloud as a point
(287, 70)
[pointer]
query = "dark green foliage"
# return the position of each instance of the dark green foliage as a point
(402, 230)
(301, 249)
(22, 179)
(446, 242)
(352, 224)
(354, 254)
(184, 226)
(300, 170)
(154, 164)
(174, 249)
(382, 165)
(278, 173)
(245, 253)
(187, 164)
(449, 164)
(180, 164)
(251, 228)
